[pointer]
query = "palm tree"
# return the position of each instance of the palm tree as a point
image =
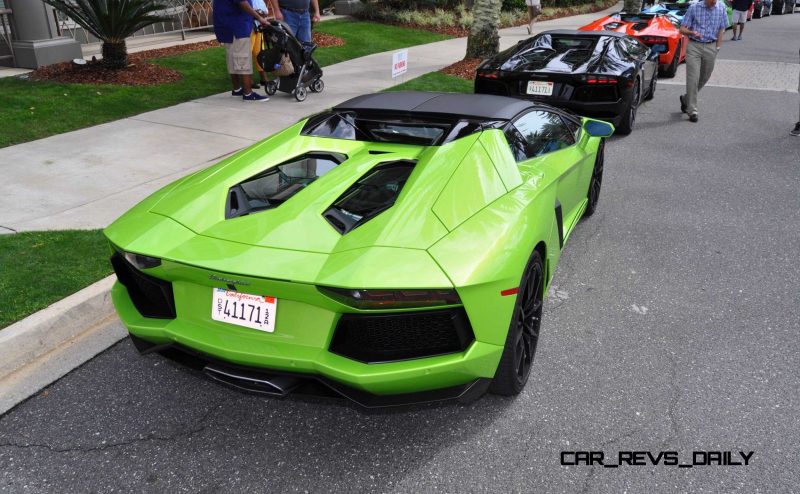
(111, 21)
(632, 6)
(483, 41)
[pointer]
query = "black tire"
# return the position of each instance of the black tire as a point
(523, 335)
(651, 92)
(676, 60)
(300, 93)
(317, 86)
(271, 87)
(629, 119)
(595, 184)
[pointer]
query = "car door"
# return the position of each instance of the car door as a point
(543, 144)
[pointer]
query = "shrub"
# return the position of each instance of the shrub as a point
(112, 21)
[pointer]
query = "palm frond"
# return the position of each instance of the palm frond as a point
(112, 20)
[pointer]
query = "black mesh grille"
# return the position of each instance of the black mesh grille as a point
(484, 86)
(151, 296)
(597, 93)
(388, 337)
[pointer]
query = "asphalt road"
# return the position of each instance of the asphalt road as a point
(672, 326)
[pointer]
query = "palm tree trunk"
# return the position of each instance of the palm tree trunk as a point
(483, 41)
(115, 55)
(632, 6)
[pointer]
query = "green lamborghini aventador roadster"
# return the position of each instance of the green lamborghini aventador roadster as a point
(394, 249)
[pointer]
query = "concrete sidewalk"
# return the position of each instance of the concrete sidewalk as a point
(87, 178)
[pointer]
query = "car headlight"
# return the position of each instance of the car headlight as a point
(140, 261)
(392, 299)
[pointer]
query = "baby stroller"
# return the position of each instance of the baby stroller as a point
(279, 44)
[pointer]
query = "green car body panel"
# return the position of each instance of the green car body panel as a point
(468, 218)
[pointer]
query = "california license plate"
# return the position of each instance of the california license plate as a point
(244, 309)
(540, 88)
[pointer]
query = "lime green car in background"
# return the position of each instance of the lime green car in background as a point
(394, 249)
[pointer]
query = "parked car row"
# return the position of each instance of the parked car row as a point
(605, 69)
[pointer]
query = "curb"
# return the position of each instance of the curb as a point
(47, 344)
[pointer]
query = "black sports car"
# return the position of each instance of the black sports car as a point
(599, 74)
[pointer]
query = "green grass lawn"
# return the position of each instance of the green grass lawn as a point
(32, 110)
(435, 81)
(40, 268)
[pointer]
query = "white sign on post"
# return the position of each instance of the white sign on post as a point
(399, 63)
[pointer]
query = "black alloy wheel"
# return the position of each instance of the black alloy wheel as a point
(629, 120)
(515, 365)
(596, 182)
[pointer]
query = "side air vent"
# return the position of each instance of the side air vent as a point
(276, 185)
(372, 194)
(151, 296)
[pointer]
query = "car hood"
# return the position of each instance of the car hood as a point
(198, 202)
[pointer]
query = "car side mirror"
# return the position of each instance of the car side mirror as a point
(597, 128)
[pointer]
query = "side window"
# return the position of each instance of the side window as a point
(543, 132)
(517, 143)
(572, 125)
(634, 47)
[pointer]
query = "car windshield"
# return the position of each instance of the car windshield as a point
(636, 17)
(349, 126)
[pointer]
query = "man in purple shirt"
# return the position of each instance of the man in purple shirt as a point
(704, 24)
(233, 23)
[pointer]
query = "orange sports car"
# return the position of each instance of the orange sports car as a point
(652, 30)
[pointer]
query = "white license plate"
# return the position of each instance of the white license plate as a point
(244, 309)
(540, 88)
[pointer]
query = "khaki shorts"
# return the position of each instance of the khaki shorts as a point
(739, 17)
(239, 56)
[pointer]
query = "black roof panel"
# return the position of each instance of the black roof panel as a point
(481, 106)
(575, 32)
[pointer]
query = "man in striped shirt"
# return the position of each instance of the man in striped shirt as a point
(704, 24)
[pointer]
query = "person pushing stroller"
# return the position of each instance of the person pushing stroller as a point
(232, 27)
